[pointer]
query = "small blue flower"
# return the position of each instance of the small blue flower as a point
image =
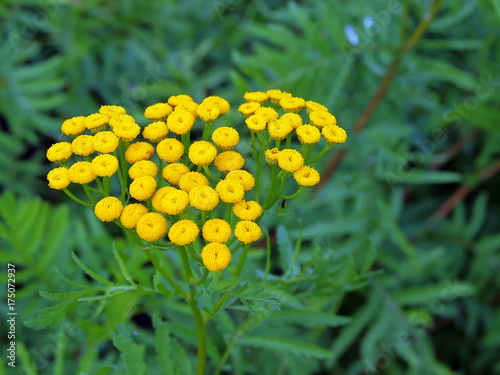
(368, 22)
(352, 35)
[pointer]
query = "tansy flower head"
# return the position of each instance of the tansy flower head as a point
(127, 131)
(276, 95)
(155, 132)
(334, 134)
(180, 121)
(81, 172)
(159, 196)
(112, 110)
(152, 226)
(230, 191)
(293, 119)
(248, 109)
(219, 102)
(183, 232)
(74, 126)
(83, 145)
(308, 134)
(279, 129)
(290, 160)
(191, 107)
(191, 180)
(313, 106)
(170, 150)
(131, 214)
(143, 168)
(202, 153)
(225, 137)
(216, 256)
(322, 119)
(173, 172)
(268, 113)
(105, 165)
(96, 122)
(272, 156)
(256, 96)
(158, 111)
(105, 142)
(121, 119)
(229, 161)
(139, 151)
(256, 123)
(175, 100)
(208, 112)
(245, 178)
(108, 209)
(59, 178)
(216, 230)
(175, 202)
(292, 104)
(306, 176)
(142, 188)
(247, 231)
(203, 198)
(59, 152)
(247, 210)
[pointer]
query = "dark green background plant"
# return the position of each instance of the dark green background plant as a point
(391, 266)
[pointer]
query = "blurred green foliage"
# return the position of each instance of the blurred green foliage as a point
(367, 284)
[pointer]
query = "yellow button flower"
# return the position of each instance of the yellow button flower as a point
(112, 110)
(256, 96)
(293, 119)
(271, 156)
(139, 151)
(202, 153)
(268, 113)
(192, 179)
(229, 161)
(247, 231)
(248, 109)
(256, 123)
(308, 134)
(313, 106)
(81, 172)
(247, 210)
(175, 202)
(143, 168)
(216, 230)
(175, 100)
(74, 126)
(173, 172)
(216, 256)
(59, 152)
(322, 119)
(208, 112)
(96, 122)
(105, 165)
(230, 191)
(291, 104)
(155, 132)
(105, 142)
(183, 232)
(83, 145)
(159, 196)
(152, 226)
(180, 121)
(127, 131)
(131, 214)
(108, 209)
(59, 178)
(218, 102)
(245, 178)
(142, 188)
(279, 129)
(276, 95)
(121, 119)
(290, 160)
(191, 107)
(158, 111)
(306, 176)
(203, 198)
(170, 150)
(334, 134)
(225, 137)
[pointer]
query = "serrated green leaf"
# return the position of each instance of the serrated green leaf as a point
(417, 177)
(285, 247)
(163, 346)
(51, 316)
(61, 345)
(131, 353)
(89, 272)
(444, 292)
(25, 360)
(123, 267)
(308, 318)
(286, 346)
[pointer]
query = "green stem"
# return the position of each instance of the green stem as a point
(228, 212)
(209, 175)
(124, 167)
(242, 260)
(203, 215)
(202, 279)
(309, 151)
(107, 185)
(77, 200)
(278, 143)
(268, 254)
(160, 170)
(325, 149)
(89, 194)
(207, 130)
(236, 248)
(300, 190)
(303, 149)
(288, 140)
(217, 307)
(259, 166)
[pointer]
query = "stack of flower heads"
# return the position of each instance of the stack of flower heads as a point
(195, 190)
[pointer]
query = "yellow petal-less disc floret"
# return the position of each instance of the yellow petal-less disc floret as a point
(180, 121)
(191, 107)
(293, 119)
(81, 172)
(216, 230)
(105, 165)
(183, 232)
(59, 178)
(225, 137)
(256, 123)
(268, 113)
(83, 145)
(290, 160)
(322, 119)
(170, 150)
(230, 191)
(202, 153)
(271, 156)
(175, 100)
(245, 178)
(203, 198)
(105, 142)
(192, 179)
(216, 256)
(74, 126)
(152, 226)
(314, 106)
(142, 188)
(306, 176)
(158, 111)
(112, 110)
(175, 202)
(279, 129)
(218, 102)
(143, 168)
(155, 132)
(96, 122)
(208, 112)
(256, 96)
(159, 196)
(247, 231)
(308, 134)
(108, 209)
(229, 161)
(131, 214)
(139, 151)
(173, 172)
(292, 104)
(247, 210)
(59, 152)
(276, 95)
(334, 134)
(120, 120)
(127, 131)
(248, 109)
